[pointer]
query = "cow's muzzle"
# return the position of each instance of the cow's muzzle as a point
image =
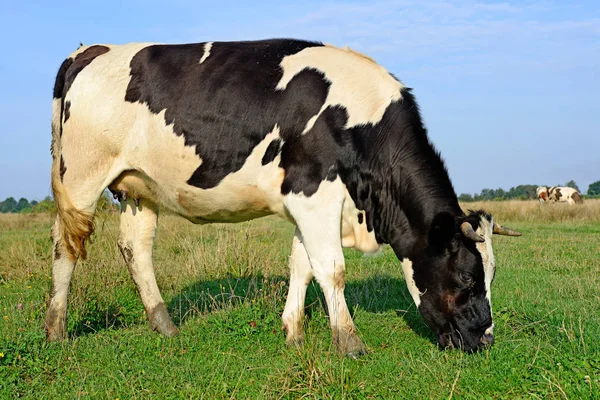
(487, 340)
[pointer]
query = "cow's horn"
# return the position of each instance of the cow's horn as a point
(468, 231)
(501, 230)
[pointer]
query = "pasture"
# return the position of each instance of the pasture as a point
(225, 286)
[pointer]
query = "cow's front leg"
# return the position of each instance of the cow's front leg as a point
(300, 276)
(318, 218)
(138, 227)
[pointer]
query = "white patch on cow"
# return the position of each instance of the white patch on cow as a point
(485, 230)
(355, 234)
(207, 47)
(311, 122)
(408, 271)
(359, 84)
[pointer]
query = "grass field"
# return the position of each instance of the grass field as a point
(225, 286)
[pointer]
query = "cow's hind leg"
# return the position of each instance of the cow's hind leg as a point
(75, 195)
(300, 276)
(138, 227)
(63, 264)
(319, 219)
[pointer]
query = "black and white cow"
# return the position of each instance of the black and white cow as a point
(230, 131)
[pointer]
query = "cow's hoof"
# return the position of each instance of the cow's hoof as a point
(295, 342)
(55, 335)
(161, 322)
(355, 354)
(294, 332)
(356, 348)
(349, 343)
(56, 326)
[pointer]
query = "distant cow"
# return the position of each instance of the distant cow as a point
(559, 194)
(230, 131)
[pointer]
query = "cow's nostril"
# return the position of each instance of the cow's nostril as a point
(487, 339)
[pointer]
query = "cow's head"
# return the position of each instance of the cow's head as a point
(450, 279)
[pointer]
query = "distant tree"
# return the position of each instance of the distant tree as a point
(465, 197)
(46, 205)
(573, 185)
(9, 205)
(522, 192)
(594, 189)
(22, 205)
(499, 194)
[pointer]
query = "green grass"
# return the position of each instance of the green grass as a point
(225, 286)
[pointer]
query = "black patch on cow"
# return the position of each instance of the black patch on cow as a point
(67, 111)
(272, 151)
(317, 155)
(228, 104)
(360, 218)
(59, 83)
(81, 61)
(63, 167)
(557, 194)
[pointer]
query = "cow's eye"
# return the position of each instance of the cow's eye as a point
(466, 278)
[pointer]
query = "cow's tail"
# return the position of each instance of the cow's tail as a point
(74, 226)
(577, 198)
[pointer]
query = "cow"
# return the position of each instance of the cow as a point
(321, 136)
(559, 194)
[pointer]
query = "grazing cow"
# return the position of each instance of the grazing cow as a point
(230, 131)
(559, 194)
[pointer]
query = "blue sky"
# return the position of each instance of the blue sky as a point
(509, 90)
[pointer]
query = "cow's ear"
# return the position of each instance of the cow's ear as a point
(443, 233)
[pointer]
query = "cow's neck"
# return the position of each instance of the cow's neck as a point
(408, 229)
(407, 184)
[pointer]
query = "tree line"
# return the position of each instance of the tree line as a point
(24, 206)
(521, 192)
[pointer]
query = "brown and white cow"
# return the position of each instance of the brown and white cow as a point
(559, 194)
(230, 131)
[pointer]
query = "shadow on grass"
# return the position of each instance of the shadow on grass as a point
(99, 319)
(378, 294)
